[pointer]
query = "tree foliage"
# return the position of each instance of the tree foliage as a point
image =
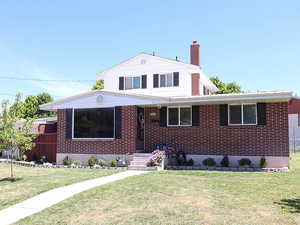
(30, 107)
(225, 88)
(98, 85)
(14, 136)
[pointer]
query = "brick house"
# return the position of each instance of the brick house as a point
(150, 101)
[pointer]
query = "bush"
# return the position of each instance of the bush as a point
(190, 162)
(44, 159)
(156, 158)
(263, 162)
(92, 161)
(209, 162)
(77, 163)
(35, 157)
(103, 163)
(225, 161)
(24, 157)
(67, 161)
(245, 162)
(113, 163)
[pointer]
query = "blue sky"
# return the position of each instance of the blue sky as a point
(255, 43)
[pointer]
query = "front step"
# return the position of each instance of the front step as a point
(139, 162)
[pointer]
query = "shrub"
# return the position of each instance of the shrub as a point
(67, 161)
(44, 159)
(113, 163)
(156, 158)
(24, 157)
(103, 163)
(92, 161)
(190, 162)
(263, 162)
(77, 163)
(35, 157)
(225, 161)
(245, 162)
(209, 162)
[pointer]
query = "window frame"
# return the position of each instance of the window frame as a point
(242, 115)
(112, 138)
(166, 75)
(124, 82)
(179, 125)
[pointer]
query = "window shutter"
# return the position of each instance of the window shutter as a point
(163, 117)
(121, 83)
(155, 80)
(261, 114)
(144, 81)
(118, 122)
(224, 115)
(69, 120)
(176, 79)
(195, 115)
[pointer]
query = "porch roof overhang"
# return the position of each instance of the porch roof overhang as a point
(100, 98)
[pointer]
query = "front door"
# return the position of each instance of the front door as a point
(140, 130)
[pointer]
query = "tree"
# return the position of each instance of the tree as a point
(98, 85)
(13, 137)
(30, 107)
(225, 88)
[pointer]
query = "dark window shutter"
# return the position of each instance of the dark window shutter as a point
(176, 79)
(121, 83)
(163, 117)
(118, 122)
(195, 115)
(224, 115)
(261, 114)
(69, 120)
(144, 81)
(155, 80)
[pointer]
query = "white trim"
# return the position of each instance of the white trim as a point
(179, 107)
(242, 115)
(78, 139)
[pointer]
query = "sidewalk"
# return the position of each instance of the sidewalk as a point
(47, 199)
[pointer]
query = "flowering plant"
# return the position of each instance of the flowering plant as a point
(157, 157)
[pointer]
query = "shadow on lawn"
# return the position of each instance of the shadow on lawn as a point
(8, 179)
(291, 205)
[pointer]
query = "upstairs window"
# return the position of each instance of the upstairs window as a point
(180, 116)
(243, 114)
(166, 80)
(135, 82)
(206, 91)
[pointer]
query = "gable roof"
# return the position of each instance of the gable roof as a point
(100, 98)
(189, 66)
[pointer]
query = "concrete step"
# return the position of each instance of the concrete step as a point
(140, 159)
(143, 168)
(138, 163)
(142, 154)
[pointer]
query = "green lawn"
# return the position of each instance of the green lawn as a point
(185, 197)
(32, 181)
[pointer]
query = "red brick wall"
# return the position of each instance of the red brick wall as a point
(294, 106)
(211, 139)
(126, 144)
(195, 84)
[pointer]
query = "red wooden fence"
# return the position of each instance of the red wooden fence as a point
(45, 144)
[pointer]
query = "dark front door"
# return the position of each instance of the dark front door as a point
(140, 129)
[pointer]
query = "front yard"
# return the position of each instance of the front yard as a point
(185, 197)
(32, 181)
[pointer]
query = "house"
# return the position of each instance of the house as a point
(294, 123)
(150, 100)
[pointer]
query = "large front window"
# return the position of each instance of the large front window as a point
(94, 123)
(180, 116)
(244, 114)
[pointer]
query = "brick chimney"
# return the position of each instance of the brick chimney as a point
(195, 53)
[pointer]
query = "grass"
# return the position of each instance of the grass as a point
(32, 181)
(185, 197)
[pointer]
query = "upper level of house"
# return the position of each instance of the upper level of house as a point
(153, 75)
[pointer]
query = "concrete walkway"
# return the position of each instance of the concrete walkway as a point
(47, 199)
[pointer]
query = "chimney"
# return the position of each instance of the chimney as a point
(195, 53)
